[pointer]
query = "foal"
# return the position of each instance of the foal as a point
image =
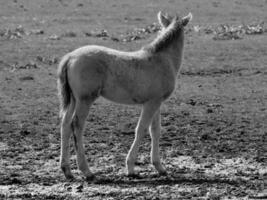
(145, 77)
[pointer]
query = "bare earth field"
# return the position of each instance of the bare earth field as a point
(214, 126)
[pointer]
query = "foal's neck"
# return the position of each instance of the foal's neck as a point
(175, 56)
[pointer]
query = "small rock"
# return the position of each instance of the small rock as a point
(26, 78)
(210, 110)
(192, 102)
(37, 32)
(69, 34)
(54, 37)
(115, 39)
(101, 33)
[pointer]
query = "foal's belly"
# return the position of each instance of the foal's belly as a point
(121, 96)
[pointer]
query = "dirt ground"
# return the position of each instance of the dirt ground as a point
(214, 126)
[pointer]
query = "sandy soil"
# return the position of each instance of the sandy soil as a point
(214, 125)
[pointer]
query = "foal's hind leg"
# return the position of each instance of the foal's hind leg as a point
(65, 138)
(78, 121)
(155, 136)
(145, 119)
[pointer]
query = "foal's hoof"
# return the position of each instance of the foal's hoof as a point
(90, 178)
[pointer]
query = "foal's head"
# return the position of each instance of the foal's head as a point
(166, 20)
(171, 35)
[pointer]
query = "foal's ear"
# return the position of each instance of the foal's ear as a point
(164, 20)
(187, 19)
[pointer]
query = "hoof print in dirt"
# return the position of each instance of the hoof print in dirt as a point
(79, 188)
(91, 179)
(134, 176)
(25, 132)
(70, 178)
(163, 173)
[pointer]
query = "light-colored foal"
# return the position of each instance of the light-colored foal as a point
(145, 77)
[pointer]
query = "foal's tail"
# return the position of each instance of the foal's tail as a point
(64, 90)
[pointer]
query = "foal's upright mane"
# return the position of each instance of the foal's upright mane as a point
(165, 37)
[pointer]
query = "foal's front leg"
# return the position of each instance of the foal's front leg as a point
(145, 119)
(155, 136)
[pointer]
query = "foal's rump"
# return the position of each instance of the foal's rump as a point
(63, 84)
